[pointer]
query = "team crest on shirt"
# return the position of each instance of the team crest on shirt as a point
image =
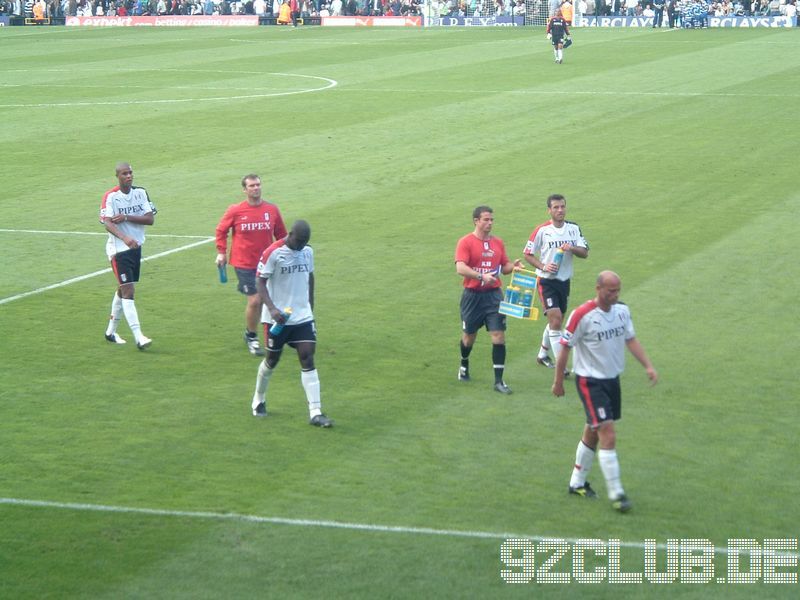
(266, 217)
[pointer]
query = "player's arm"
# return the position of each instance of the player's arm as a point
(147, 218)
(511, 266)
(578, 251)
(111, 227)
(638, 351)
(465, 270)
(263, 293)
(561, 366)
(221, 236)
(311, 289)
(548, 34)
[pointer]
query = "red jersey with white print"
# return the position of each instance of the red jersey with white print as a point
(485, 256)
(254, 228)
(546, 239)
(599, 339)
(287, 273)
(135, 203)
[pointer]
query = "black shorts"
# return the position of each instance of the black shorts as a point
(247, 281)
(481, 308)
(602, 399)
(554, 293)
(291, 335)
(127, 264)
(557, 40)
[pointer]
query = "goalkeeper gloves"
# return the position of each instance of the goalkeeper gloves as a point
(549, 36)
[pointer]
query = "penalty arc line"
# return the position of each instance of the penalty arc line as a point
(370, 527)
(96, 273)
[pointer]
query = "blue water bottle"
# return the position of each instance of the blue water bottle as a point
(527, 302)
(223, 273)
(278, 327)
(558, 258)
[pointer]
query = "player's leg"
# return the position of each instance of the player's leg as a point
(252, 309)
(113, 321)
(496, 324)
(554, 41)
(610, 410)
(471, 321)
(584, 458)
(306, 344)
(265, 369)
(127, 267)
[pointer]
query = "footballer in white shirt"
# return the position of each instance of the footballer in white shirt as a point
(285, 283)
(600, 330)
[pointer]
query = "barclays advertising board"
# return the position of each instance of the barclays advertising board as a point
(591, 21)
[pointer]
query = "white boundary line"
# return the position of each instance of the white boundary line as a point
(163, 235)
(331, 83)
(371, 527)
(96, 273)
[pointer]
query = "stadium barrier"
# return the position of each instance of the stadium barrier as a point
(492, 21)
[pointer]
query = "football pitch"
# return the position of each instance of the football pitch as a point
(127, 474)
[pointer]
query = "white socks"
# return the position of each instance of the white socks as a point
(116, 312)
(584, 457)
(262, 381)
(132, 317)
(310, 381)
(555, 344)
(545, 347)
(610, 467)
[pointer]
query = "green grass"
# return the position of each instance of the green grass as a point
(677, 153)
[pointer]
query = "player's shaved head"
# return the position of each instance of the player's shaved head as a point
(606, 278)
(123, 166)
(299, 235)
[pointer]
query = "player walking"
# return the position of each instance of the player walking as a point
(600, 330)
(480, 258)
(255, 224)
(286, 280)
(551, 238)
(558, 33)
(124, 212)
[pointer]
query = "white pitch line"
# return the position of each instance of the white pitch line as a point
(371, 527)
(96, 273)
(163, 235)
(330, 83)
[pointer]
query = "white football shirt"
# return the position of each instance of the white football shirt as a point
(115, 202)
(287, 272)
(546, 239)
(599, 339)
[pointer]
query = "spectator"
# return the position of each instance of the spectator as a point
(630, 7)
(336, 8)
(285, 13)
(566, 11)
(648, 12)
(260, 7)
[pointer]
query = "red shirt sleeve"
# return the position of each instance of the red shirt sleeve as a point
(223, 227)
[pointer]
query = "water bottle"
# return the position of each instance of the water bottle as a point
(223, 274)
(513, 294)
(278, 327)
(527, 302)
(558, 258)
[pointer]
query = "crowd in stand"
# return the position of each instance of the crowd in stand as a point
(39, 9)
(262, 8)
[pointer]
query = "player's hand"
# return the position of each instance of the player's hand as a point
(131, 243)
(549, 36)
(558, 388)
(277, 315)
(652, 375)
(221, 260)
(117, 218)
